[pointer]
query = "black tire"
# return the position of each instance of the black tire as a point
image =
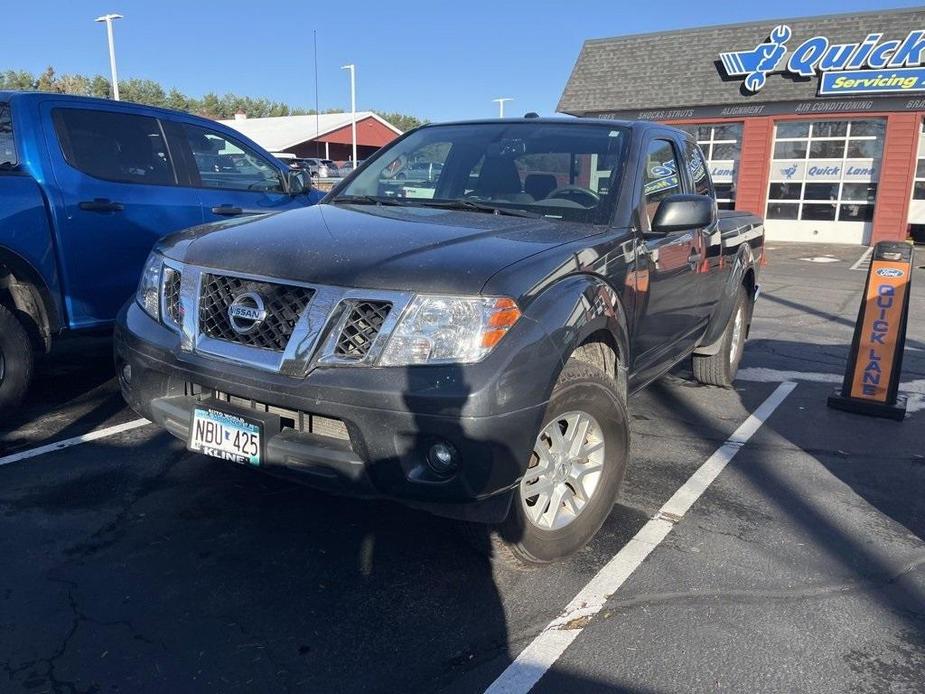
(16, 361)
(720, 369)
(518, 541)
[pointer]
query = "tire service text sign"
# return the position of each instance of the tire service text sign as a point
(872, 378)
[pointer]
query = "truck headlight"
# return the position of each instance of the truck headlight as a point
(149, 287)
(449, 329)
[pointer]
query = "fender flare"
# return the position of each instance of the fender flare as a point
(30, 295)
(576, 308)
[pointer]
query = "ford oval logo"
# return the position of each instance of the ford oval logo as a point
(892, 272)
(246, 312)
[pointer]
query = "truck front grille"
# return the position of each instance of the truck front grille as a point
(363, 323)
(284, 305)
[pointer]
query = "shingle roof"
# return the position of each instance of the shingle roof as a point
(282, 132)
(680, 68)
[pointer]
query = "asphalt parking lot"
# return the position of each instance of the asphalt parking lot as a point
(132, 565)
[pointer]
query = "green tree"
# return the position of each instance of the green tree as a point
(145, 91)
(17, 79)
(100, 87)
(140, 91)
(402, 121)
(46, 81)
(179, 101)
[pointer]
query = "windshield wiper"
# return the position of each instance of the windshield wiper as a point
(368, 200)
(8, 165)
(460, 204)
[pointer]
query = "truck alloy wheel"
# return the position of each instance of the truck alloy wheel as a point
(566, 465)
(574, 473)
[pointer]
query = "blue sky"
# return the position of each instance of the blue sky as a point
(439, 60)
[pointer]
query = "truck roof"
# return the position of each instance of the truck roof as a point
(9, 95)
(636, 125)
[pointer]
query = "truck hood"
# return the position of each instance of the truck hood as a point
(373, 247)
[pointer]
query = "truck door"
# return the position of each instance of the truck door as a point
(232, 178)
(115, 192)
(673, 302)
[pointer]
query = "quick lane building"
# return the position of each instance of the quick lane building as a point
(815, 123)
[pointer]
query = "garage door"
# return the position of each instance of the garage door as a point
(823, 182)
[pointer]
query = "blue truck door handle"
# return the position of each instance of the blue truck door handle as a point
(101, 205)
(227, 210)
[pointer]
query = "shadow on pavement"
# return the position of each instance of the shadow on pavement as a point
(878, 470)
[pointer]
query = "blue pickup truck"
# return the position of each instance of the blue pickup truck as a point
(86, 188)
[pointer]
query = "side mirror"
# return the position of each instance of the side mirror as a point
(681, 212)
(295, 183)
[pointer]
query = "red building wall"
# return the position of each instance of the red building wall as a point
(897, 170)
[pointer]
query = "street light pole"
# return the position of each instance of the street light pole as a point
(500, 103)
(353, 108)
(108, 18)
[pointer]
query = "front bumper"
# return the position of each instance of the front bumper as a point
(360, 431)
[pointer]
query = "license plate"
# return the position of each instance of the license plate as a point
(226, 436)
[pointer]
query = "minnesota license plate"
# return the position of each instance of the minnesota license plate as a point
(226, 436)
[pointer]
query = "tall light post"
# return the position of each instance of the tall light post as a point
(108, 18)
(353, 107)
(500, 103)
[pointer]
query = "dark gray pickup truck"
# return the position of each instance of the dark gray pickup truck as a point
(467, 348)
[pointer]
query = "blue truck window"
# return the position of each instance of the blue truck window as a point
(7, 146)
(224, 163)
(114, 146)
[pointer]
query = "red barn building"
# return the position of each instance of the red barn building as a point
(326, 136)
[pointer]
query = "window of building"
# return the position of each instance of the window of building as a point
(917, 207)
(918, 186)
(721, 145)
(114, 146)
(826, 170)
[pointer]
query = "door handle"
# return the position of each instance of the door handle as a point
(101, 205)
(227, 210)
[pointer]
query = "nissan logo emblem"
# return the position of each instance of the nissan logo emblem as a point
(246, 312)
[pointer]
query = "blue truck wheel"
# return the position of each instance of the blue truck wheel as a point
(15, 361)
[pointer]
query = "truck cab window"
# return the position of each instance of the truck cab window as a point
(7, 146)
(660, 178)
(223, 163)
(697, 167)
(114, 146)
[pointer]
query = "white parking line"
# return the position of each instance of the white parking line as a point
(862, 262)
(73, 441)
(542, 653)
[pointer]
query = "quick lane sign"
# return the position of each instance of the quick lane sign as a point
(872, 378)
(870, 66)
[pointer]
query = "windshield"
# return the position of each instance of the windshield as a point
(7, 146)
(554, 170)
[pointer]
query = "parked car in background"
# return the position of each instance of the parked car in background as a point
(320, 168)
(88, 186)
(347, 167)
(420, 171)
(470, 353)
(288, 159)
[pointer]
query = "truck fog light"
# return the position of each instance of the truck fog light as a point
(443, 459)
(127, 373)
